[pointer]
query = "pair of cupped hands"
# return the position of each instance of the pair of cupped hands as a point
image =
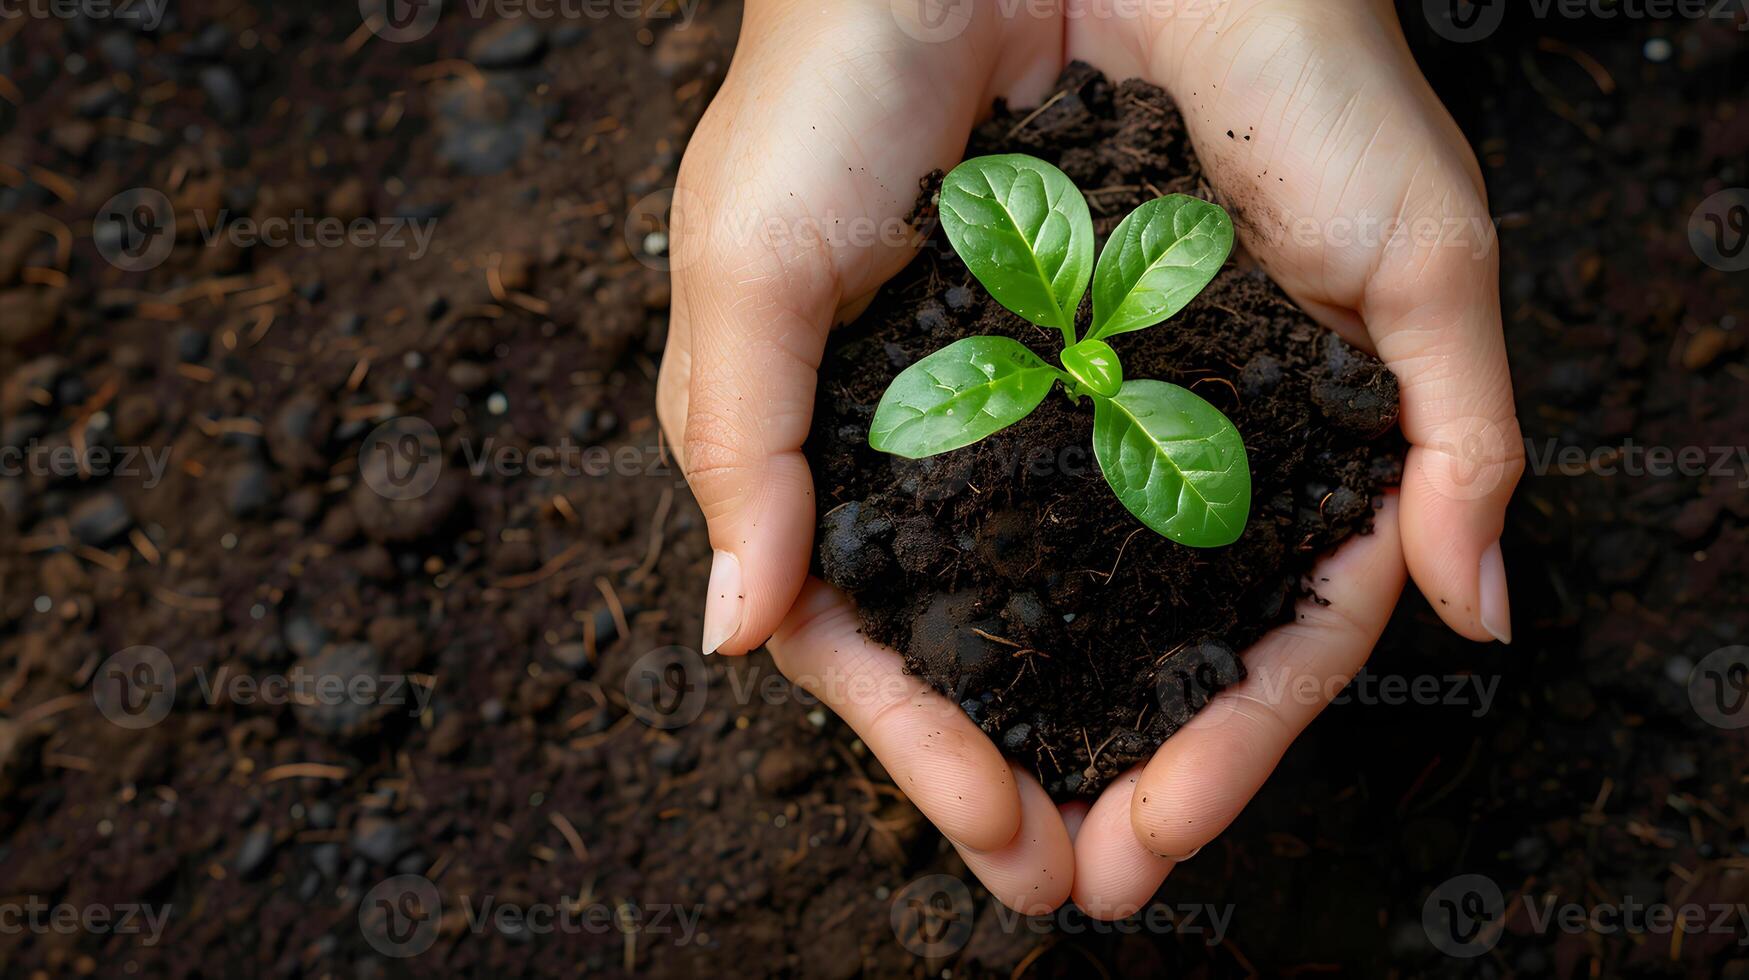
(830, 114)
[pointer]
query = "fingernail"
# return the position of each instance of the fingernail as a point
(1496, 606)
(722, 603)
(1181, 860)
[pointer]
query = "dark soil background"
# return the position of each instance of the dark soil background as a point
(1008, 574)
(564, 747)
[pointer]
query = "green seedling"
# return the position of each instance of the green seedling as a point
(1024, 231)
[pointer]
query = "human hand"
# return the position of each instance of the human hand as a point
(1359, 195)
(789, 215)
(818, 123)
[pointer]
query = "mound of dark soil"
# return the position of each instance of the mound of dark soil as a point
(1007, 573)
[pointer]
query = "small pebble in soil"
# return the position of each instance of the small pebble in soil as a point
(850, 546)
(507, 44)
(100, 519)
(379, 839)
(346, 716)
(931, 318)
(248, 490)
(225, 93)
(573, 656)
(252, 856)
(191, 344)
(1188, 679)
(783, 770)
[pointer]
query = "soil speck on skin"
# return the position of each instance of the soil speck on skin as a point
(1007, 573)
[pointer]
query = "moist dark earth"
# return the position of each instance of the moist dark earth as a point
(1007, 573)
(528, 769)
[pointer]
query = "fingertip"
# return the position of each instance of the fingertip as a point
(1114, 874)
(1033, 872)
(1496, 603)
(760, 560)
(1187, 796)
(1452, 548)
(985, 812)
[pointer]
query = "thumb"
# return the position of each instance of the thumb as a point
(758, 324)
(1437, 326)
(792, 202)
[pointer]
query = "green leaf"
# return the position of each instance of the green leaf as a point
(1175, 461)
(958, 395)
(1156, 262)
(1095, 365)
(1024, 231)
